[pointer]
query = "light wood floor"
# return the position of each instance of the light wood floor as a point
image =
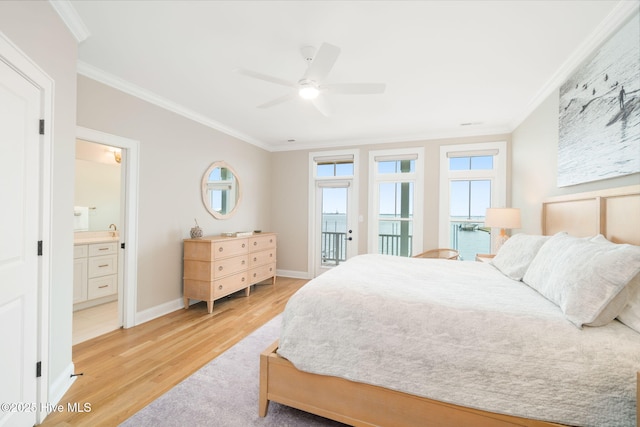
(127, 369)
(95, 321)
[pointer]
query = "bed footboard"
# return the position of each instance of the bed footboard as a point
(360, 404)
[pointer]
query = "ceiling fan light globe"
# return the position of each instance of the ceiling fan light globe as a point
(308, 92)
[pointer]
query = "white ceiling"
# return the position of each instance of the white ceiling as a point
(445, 63)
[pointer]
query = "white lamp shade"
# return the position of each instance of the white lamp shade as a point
(502, 218)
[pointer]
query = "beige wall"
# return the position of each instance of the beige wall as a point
(174, 153)
(534, 162)
(35, 28)
(290, 214)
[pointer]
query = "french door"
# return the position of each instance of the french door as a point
(333, 209)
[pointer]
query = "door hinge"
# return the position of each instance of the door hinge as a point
(39, 247)
(41, 126)
(122, 245)
(38, 369)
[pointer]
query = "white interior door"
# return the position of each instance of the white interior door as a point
(20, 112)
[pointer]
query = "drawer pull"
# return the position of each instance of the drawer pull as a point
(103, 286)
(255, 274)
(103, 249)
(220, 249)
(255, 259)
(243, 279)
(220, 287)
(243, 262)
(243, 245)
(103, 265)
(255, 243)
(270, 269)
(220, 268)
(271, 255)
(270, 240)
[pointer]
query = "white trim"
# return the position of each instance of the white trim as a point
(131, 161)
(498, 173)
(19, 61)
(414, 153)
(293, 274)
(116, 82)
(160, 310)
(353, 208)
(71, 19)
(621, 12)
(60, 385)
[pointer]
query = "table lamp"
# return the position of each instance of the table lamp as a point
(502, 218)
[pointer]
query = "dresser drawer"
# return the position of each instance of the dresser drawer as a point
(260, 243)
(102, 265)
(102, 286)
(229, 285)
(97, 249)
(229, 266)
(261, 258)
(80, 251)
(224, 249)
(261, 273)
(208, 271)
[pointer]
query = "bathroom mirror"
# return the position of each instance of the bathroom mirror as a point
(221, 190)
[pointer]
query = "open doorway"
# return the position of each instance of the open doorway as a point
(98, 220)
(123, 233)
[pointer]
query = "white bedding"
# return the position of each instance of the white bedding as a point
(463, 333)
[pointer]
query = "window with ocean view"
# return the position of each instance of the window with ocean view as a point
(472, 181)
(396, 176)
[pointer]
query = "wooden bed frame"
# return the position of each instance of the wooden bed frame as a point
(615, 213)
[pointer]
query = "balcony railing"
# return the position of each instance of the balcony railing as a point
(334, 249)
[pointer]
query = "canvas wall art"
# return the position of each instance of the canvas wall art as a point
(600, 112)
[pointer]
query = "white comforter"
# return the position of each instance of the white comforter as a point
(461, 332)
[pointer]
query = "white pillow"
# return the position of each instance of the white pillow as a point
(515, 255)
(630, 314)
(583, 277)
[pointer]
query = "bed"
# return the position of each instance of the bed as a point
(438, 342)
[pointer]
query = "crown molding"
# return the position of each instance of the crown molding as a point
(611, 23)
(101, 76)
(71, 19)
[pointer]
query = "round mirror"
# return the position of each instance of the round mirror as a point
(221, 190)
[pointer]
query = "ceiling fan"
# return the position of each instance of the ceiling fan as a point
(311, 85)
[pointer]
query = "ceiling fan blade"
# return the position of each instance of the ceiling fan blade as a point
(279, 100)
(322, 62)
(321, 105)
(356, 88)
(266, 78)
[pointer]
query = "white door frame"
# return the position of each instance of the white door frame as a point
(127, 287)
(18, 60)
(352, 208)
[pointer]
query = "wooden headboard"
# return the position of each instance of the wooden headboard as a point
(614, 213)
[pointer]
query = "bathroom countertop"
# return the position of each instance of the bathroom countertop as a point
(89, 237)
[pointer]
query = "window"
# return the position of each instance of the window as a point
(472, 179)
(395, 206)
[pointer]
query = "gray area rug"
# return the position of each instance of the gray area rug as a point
(225, 393)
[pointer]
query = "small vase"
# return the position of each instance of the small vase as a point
(196, 232)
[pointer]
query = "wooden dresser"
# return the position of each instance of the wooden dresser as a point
(216, 266)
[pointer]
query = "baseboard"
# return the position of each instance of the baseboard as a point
(159, 310)
(177, 304)
(60, 385)
(294, 274)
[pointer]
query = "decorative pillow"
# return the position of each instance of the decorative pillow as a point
(515, 255)
(582, 277)
(630, 314)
